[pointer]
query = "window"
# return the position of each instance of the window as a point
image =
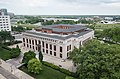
(36, 42)
(60, 55)
(54, 53)
(24, 44)
(67, 48)
(70, 47)
(60, 49)
(27, 45)
(33, 42)
(30, 46)
(54, 47)
(67, 54)
(46, 45)
(33, 47)
(23, 39)
(36, 48)
(39, 42)
(50, 46)
(29, 41)
(47, 51)
(43, 43)
(50, 52)
(43, 50)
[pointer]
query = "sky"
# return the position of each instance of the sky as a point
(62, 7)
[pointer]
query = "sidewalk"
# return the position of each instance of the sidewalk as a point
(13, 70)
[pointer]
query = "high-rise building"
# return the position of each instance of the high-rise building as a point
(3, 11)
(5, 24)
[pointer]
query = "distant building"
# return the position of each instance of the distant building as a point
(57, 40)
(109, 18)
(5, 24)
(3, 11)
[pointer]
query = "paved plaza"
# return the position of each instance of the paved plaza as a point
(67, 64)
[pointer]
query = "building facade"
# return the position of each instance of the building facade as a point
(5, 24)
(57, 40)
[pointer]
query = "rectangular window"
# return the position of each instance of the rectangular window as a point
(46, 45)
(29, 41)
(23, 39)
(54, 53)
(30, 46)
(24, 44)
(60, 49)
(36, 48)
(39, 42)
(43, 43)
(50, 52)
(47, 51)
(50, 46)
(67, 48)
(33, 47)
(70, 47)
(43, 50)
(27, 45)
(60, 55)
(33, 42)
(54, 47)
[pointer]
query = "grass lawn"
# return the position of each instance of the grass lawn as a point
(46, 73)
(105, 26)
(4, 53)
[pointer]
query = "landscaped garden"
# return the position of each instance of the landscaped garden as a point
(43, 70)
(8, 53)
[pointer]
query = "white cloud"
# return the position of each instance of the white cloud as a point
(42, 7)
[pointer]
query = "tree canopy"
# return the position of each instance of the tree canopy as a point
(28, 56)
(97, 61)
(34, 66)
(4, 35)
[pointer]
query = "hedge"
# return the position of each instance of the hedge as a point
(67, 72)
(12, 43)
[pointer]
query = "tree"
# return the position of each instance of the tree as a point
(4, 35)
(34, 66)
(98, 61)
(40, 56)
(15, 52)
(28, 56)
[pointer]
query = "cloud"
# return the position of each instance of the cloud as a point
(47, 7)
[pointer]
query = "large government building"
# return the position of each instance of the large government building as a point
(57, 40)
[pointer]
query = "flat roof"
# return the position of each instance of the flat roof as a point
(33, 33)
(72, 28)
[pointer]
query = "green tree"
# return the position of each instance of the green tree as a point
(98, 61)
(34, 66)
(40, 56)
(28, 56)
(4, 35)
(15, 52)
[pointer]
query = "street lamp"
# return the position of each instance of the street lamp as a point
(11, 68)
